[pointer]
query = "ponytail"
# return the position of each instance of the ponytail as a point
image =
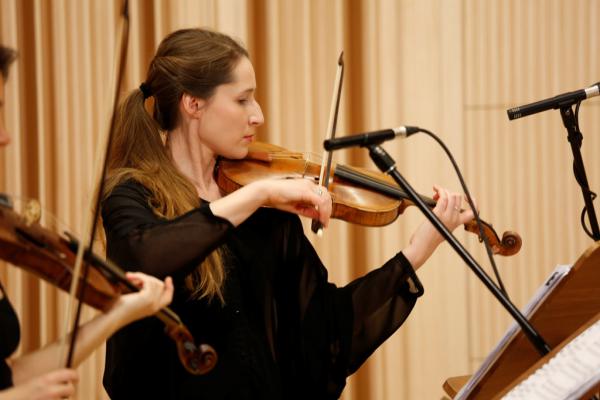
(138, 152)
(193, 61)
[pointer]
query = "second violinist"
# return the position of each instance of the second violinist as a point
(36, 375)
(248, 282)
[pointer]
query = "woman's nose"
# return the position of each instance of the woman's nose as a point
(257, 118)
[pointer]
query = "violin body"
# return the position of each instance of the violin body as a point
(351, 202)
(359, 196)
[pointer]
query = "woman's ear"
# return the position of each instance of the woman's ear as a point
(191, 106)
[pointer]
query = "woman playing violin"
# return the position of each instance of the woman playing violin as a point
(35, 375)
(248, 282)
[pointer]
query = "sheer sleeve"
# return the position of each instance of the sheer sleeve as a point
(342, 326)
(138, 239)
(381, 301)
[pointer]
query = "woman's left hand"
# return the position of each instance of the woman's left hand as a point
(154, 294)
(426, 238)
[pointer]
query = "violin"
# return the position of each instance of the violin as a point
(51, 257)
(359, 196)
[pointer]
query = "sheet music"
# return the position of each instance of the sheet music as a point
(540, 295)
(572, 371)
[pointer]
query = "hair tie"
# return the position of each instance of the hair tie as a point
(145, 89)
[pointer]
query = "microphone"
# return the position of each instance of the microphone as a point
(562, 100)
(369, 138)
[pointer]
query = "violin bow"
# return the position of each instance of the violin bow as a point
(91, 226)
(316, 226)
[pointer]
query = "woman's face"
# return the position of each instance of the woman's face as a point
(231, 115)
(4, 136)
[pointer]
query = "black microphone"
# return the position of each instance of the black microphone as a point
(369, 138)
(562, 100)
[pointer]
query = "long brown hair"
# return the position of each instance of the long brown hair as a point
(192, 61)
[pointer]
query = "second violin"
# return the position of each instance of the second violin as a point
(50, 256)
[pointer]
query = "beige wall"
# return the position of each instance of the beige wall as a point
(452, 66)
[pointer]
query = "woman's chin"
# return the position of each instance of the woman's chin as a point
(237, 153)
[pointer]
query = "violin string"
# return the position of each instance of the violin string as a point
(307, 155)
(285, 154)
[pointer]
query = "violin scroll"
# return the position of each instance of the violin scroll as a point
(511, 241)
(197, 360)
(509, 245)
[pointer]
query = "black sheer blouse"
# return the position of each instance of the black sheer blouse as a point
(284, 332)
(9, 338)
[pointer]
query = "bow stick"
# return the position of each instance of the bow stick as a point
(316, 226)
(91, 226)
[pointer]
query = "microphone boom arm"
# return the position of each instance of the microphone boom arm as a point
(387, 165)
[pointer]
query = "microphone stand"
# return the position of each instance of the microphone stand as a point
(575, 138)
(387, 165)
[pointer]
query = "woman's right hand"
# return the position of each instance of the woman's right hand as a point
(298, 196)
(55, 385)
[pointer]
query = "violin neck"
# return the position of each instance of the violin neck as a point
(377, 185)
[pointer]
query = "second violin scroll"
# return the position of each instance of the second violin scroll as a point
(359, 195)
